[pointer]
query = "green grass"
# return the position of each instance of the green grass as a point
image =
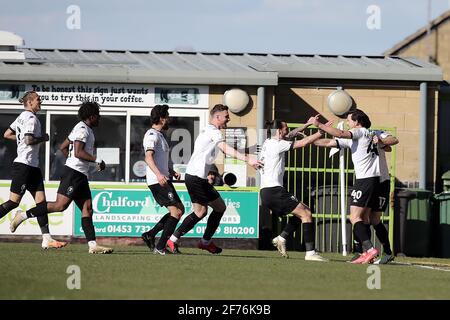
(132, 272)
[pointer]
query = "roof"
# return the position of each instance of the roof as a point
(418, 34)
(10, 39)
(171, 67)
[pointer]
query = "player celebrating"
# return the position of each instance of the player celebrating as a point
(26, 174)
(202, 193)
(384, 140)
(276, 197)
(157, 159)
(367, 171)
(74, 185)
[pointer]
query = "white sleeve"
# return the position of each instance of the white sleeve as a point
(284, 146)
(80, 134)
(343, 143)
(357, 133)
(30, 126)
(383, 134)
(216, 136)
(150, 141)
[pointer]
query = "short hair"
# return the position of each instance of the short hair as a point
(87, 109)
(27, 96)
(361, 117)
(159, 111)
(218, 108)
(273, 125)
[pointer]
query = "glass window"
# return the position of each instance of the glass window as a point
(181, 137)
(8, 148)
(109, 134)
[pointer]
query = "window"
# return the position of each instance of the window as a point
(181, 137)
(8, 148)
(109, 134)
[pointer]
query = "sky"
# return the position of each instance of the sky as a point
(350, 27)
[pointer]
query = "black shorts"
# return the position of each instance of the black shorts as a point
(381, 196)
(74, 185)
(165, 196)
(364, 191)
(200, 190)
(279, 200)
(25, 178)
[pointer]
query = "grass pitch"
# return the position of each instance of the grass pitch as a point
(132, 272)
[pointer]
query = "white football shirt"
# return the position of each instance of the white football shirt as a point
(272, 155)
(155, 140)
(27, 123)
(384, 170)
(364, 156)
(81, 132)
(205, 151)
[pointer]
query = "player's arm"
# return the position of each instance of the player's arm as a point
(30, 139)
(230, 151)
(80, 153)
(297, 132)
(335, 132)
(389, 141)
(307, 140)
(64, 147)
(330, 143)
(152, 165)
(10, 134)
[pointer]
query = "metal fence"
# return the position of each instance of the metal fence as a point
(313, 177)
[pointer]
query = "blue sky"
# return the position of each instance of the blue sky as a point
(266, 26)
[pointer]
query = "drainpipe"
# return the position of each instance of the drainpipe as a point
(423, 136)
(260, 123)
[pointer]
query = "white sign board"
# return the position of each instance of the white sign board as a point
(110, 94)
(109, 155)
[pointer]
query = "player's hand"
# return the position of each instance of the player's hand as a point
(46, 137)
(162, 180)
(101, 166)
(375, 139)
(176, 175)
(314, 120)
(255, 163)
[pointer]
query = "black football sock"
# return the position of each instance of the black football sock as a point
(369, 231)
(188, 223)
(39, 210)
(308, 236)
(291, 226)
(212, 224)
(43, 223)
(383, 236)
(159, 225)
(6, 207)
(88, 228)
(169, 228)
(357, 247)
(360, 231)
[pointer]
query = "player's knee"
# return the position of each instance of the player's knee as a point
(306, 216)
(60, 207)
(220, 207)
(374, 220)
(179, 212)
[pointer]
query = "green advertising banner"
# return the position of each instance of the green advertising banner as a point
(129, 213)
